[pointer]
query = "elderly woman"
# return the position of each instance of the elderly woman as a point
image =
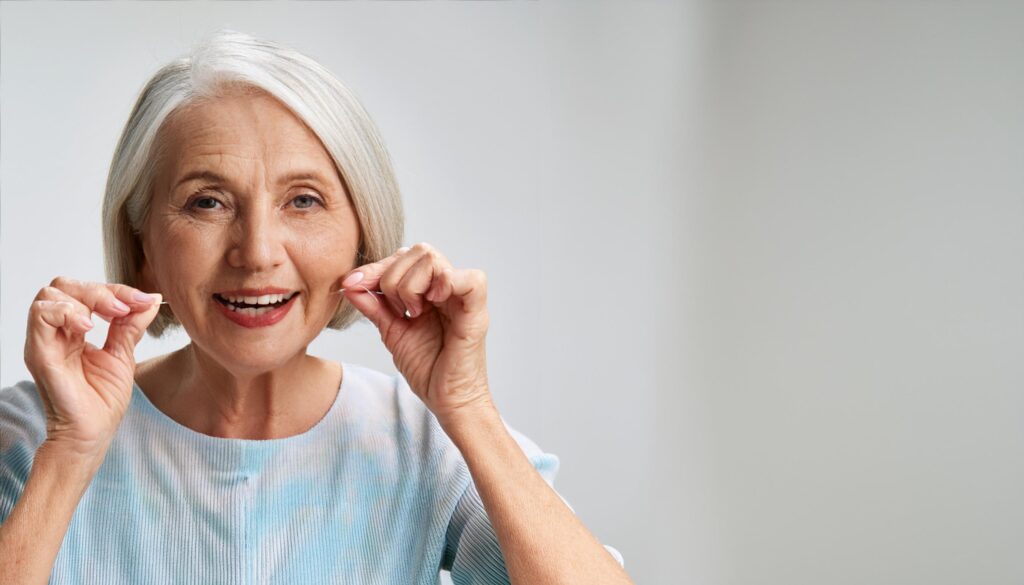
(251, 197)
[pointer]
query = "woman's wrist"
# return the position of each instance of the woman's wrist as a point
(469, 421)
(77, 461)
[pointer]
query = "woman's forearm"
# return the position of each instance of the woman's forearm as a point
(541, 539)
(33, 532)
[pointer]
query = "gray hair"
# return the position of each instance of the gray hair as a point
(229, 59)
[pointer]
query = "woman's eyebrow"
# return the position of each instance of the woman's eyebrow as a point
(212, 176)
(302, 176)
(202, 174)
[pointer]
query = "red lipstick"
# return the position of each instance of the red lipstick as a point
(265, 318)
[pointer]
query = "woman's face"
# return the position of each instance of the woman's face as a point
(247, 203)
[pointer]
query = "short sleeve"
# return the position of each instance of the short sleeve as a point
(22, 430)
(472, 553)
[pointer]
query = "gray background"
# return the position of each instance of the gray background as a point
(755, 267)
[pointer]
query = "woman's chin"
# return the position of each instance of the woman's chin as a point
(254, 367)
(248, 359)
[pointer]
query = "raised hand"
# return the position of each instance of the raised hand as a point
(85, 389)
(440, 347)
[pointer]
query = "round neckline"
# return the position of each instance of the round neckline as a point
(210, 440)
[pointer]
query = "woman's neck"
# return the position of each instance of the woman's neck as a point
(198, 393)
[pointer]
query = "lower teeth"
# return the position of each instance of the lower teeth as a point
(253, 311)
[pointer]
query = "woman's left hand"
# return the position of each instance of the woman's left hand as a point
(440, 348)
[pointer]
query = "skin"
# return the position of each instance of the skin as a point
(232, 381)
(256, 229)
(253, 230)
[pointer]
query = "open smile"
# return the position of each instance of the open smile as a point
(255, 310)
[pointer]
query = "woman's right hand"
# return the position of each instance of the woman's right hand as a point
(85, 389)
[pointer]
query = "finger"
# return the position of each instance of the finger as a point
(52, 316)
(442, 288)
(393, 279)
(373, 308)
(110, 299)
(469, 285)
(54, 327)
(361, 274)
(126, 332)
(413, 283)
(54, 295)
(418, 280)
(393, 274)
(368, 277)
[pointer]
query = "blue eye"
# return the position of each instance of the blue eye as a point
(301, 201)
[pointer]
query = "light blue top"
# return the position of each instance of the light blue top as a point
(375, 492)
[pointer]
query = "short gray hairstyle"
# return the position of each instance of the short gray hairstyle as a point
(229, 59)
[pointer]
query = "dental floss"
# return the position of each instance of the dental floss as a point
(376, 292)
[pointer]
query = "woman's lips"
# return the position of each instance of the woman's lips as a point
(264, 319)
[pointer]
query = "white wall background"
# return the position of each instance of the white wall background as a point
(755, 267)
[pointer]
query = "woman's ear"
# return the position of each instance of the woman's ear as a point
(144, 273)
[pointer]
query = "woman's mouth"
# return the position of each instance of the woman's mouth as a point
(255, 311)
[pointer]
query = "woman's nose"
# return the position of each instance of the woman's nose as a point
(258, 243)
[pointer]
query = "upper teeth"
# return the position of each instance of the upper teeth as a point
(260, 300)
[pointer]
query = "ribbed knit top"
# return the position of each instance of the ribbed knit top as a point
(375, 492)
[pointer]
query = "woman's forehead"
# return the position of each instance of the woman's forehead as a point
(236, 130)
(245, 120)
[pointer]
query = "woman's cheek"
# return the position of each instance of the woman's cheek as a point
(191, 263)
(322, 254)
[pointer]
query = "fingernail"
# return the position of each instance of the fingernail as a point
(118, 305)
(353, 278)
(403, 249)
(86, 322)
(141, 297)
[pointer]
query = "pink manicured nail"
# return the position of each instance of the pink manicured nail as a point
(353, 278)
(118, 305)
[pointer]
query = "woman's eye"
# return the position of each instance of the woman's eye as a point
(204, 203)
(305, 201)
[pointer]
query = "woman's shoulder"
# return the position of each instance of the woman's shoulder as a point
(366, 376)
(22, 418)
(388, 398)
(383, 396)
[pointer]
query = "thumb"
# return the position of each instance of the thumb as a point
(371, 306)
(126, 332)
